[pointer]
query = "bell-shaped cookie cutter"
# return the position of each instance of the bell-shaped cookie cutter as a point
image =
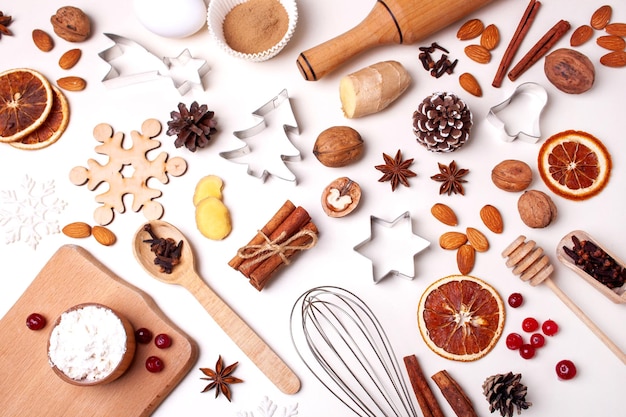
(410, 242)
(519, 115)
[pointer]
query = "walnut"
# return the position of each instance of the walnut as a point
(71, 23)
(512, 175)
(536, 209)
(338, 146)
(570, 71)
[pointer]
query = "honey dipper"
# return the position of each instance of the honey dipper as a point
(533, 266)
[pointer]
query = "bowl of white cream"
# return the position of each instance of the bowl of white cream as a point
(91, 344)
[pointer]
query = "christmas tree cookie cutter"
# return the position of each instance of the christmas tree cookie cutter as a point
(393, 254)
(113, 171)
(130, 63)
(266, 144)
(519, 115)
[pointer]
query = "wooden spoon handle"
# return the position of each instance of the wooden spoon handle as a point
(248, 341)
(585, 319)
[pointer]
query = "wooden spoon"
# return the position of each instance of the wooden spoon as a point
(185, 274)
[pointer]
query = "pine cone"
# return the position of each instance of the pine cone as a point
(504, 392)
(442, 122)
(193, 127)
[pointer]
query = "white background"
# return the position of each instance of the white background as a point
(233, 89)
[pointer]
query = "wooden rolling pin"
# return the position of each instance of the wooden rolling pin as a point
(390, 21)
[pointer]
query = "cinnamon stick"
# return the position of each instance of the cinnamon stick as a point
(518, 36)
(542, 47)
(424, 395)
(277, 219)
(304, 239)
(454, 394)
(293, 223)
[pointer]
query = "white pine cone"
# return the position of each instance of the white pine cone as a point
(442, 122)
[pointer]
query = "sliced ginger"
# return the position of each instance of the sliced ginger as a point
(212, 215)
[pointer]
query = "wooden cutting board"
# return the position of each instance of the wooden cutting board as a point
(29, 387)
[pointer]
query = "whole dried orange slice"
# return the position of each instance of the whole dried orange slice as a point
(574, 164)
(460, 317)
(51, 129)
(25, 102)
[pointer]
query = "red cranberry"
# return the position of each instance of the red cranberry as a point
(36, 321)
(154, 364)
(516, 299)
(526, 351)
(566, 369)
(537, 340)
(163, 341)
(549, 327)
(514, 341)
(530, 324)
(143, 335)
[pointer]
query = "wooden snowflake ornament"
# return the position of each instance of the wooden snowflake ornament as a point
(113, 173)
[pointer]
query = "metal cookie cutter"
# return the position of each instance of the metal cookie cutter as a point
(131, 63)
(519, 115)
(384, 253)
(263, 152)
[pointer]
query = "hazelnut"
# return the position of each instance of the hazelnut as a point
(338, 146)
(341, 197)
(536, 209)
(570, 71)
(71, 23)
(512, 175)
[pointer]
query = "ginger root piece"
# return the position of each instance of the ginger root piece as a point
(209, 186)
(213, 218)
(372, 88)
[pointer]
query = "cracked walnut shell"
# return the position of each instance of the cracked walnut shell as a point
(71, 23)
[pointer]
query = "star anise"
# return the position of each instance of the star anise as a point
(4, 22)
(396, 170)
(221, 378)
(451, 178)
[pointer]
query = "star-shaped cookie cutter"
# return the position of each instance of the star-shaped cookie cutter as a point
(261, 115)
(519, 115)
(389, 250)
(130, 63)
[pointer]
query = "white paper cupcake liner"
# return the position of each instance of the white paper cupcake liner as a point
(218, 9)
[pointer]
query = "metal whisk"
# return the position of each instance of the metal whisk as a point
(342, 343)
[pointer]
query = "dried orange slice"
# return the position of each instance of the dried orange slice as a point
(25, 102)
(51, 129)
(460, 317)
(574, 164)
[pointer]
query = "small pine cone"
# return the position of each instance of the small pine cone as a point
(193, 127)
(505, 393)
(442, 122)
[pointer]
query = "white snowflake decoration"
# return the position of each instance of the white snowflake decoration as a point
(268, 409)
(26, 214)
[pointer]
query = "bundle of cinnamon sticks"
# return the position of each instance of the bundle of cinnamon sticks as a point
(288, 232)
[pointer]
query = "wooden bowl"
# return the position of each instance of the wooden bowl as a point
(102, 322)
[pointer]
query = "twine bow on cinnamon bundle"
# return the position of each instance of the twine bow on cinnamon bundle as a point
(288, 232)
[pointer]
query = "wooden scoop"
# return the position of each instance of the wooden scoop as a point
(390, 21)
(529, 262)
(185, 274)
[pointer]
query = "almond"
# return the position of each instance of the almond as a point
(77, 230)
(465, 259)
(614, 59)
(469, 83)
(470, 29)
(492, 218)
(611, 42)
(452, 240)
(72, 83)
(600, 18)
(617, 29)
(581, 35)
(42, 40)
(444, 214)
(490, 37)
(69, 58)
(103, 235)
(478, 53)
(477, 239)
